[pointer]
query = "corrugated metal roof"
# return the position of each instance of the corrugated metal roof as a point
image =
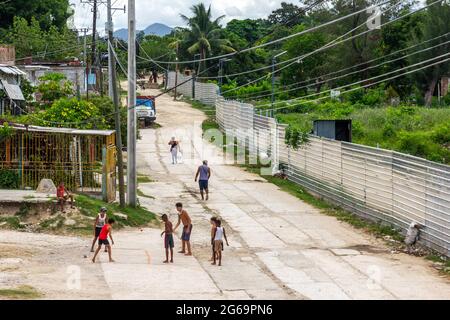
(13, 91)
(63, 130)
(11, 70)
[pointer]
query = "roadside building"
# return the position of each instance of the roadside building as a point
(11, 96)
(73, 71)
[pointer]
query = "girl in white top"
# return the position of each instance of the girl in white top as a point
(100, 221)
(219, 234)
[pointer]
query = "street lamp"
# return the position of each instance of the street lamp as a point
(221, 62)
(274, 59)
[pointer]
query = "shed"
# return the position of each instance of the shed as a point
(340, 130)
(85, 160)
(10, 93)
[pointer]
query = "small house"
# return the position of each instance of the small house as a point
(11, 96)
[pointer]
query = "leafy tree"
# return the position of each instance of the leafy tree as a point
(54, 86)
(205, 34)
(436, 23)
(289, 15)
(312, 66)
(30, 40)
(66, 112)
(46, 12)
(249, 30)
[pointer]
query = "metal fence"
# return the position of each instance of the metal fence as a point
(206, 93)
(374, 183)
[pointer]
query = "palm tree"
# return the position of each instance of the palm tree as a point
(205, 34)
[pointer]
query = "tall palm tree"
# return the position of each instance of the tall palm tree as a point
(205, 34)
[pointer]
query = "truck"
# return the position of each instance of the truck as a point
(146, 109)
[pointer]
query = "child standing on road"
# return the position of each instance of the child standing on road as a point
(103, 239)
(213, 230)
(168, 238)
(219, 233)
(100, 221)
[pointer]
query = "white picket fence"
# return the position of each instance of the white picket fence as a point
(206, 93)
(374, 183)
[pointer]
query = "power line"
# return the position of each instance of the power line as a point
(275, 41)
(351, 67)
(362, 81)
(357, 71)
(330, 45)
(370, 84)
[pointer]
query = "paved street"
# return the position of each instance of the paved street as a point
(280, 247)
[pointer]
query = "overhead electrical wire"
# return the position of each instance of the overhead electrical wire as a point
(355, 72)
(330, 45)
(358, 82)
(348, 68)
(273, 41)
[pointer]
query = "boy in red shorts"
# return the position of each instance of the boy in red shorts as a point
(103, 239)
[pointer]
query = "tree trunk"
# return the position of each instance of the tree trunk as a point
(430, 91)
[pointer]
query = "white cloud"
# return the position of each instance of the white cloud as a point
(168, 11)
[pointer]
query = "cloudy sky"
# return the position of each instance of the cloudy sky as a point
(168, 11)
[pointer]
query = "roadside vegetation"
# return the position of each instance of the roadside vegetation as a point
(77, 221)
(20, 293)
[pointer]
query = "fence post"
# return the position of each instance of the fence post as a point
(104, 175)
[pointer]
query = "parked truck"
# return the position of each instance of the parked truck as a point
(146, 109)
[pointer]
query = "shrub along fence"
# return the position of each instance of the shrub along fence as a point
(206, 93)
(374, 183)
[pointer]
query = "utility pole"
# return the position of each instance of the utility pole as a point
(131, 146)
(176, 76)
(274, 60)
(84, 31)
(221, 62)
(114, 94)
(94, 35)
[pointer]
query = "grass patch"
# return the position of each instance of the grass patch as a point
(142, 194)
(136, 217)
(12, 223)
(22, 292)
(144, 179)
(441, 259)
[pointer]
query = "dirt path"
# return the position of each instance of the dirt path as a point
(280, 247)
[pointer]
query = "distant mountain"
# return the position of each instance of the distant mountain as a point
(157, 29)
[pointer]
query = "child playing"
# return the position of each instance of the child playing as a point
(219, 233)
(103, 239)
(213, 221)
(168, 238)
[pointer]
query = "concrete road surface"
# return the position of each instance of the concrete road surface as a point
(280, 247)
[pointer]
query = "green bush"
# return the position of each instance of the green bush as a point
(54, 86)
(9, 179)
(73, 113)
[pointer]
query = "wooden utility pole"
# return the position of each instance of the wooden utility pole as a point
(115, 97)
(131, 141)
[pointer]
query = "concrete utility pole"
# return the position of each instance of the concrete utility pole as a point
(111, 59)
(94, 33)
(114, 94)
(176, 75)
(131, 147)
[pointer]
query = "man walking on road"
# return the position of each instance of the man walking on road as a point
(184, 218)
(205, 173)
